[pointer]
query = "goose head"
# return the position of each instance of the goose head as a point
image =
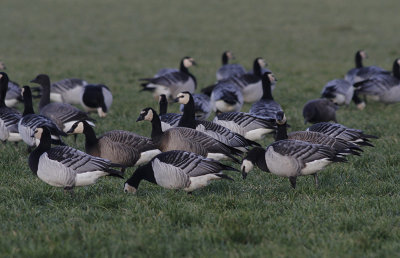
(251, 158)
(2, 66)
(77, 128)
(129, 189)
(183, 97)
(188, 61)
(42, 79)
(280, 118)
(146, 114)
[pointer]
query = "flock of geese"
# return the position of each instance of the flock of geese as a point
(184, 151)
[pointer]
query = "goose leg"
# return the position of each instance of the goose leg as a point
(316, 180)
(75, 136)
(292, 180)
(69, 190)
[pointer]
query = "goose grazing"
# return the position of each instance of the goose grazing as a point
(67, 90)
(250, 126)
(339, 91)
(66, 167)
(171, 84)
(213, 130)
(30, 121)
(120, 147)
(382, 87)
(291, 158)
(226, 97)
(319, 110)
(62, 114)
(227, 70)
(360, 73)
(186, 139)
(341, 146)
(168, 120)
(9, 117)
(96, 97)
(178, 170)
(202, 106)
(266, 106)
(342, 132)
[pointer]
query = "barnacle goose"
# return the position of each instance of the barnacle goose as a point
(178, 170)
(168, 120)
(13, 96)
(266, 106)
(96, 97)
(291, 158)
(68, 90)
(9, 117)
(339, 91)
(66, 167)
(62, 114)
(319, 110)
(226, 97)
(186, 139)
(120, 147)
(171, 84)
(360, 73)
(30, 121)
(227, 70)
(202, 106)
(214, 130)
(250, 126)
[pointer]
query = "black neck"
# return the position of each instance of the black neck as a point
(183, 68)
(3, 90)
(45, 99)
(163, 107)
(281, 132)
(225, 58)
(143, 172)
(257, 156)
(396, 69)
(45, 145)
(356, 99)
(91, 139)
(257, 68)
(188, 118)
(156, 130)
(358, 60)
(266, 84)
(28, 107)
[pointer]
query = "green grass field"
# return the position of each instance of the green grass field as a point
(354, 212)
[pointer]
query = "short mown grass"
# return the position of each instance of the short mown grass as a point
(354, 212)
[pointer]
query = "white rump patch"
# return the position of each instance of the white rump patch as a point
(200, 182)
(315, 166)
(147, 156)
(257, 134)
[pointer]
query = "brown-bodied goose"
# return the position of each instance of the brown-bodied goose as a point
(66, 167)
(120, 147)
(178, 170)
(186, 139)
(62, 114)
(9, 117)
(291, 158)
(171, 84)
(227, 70)
(319, 110)
(361, 72)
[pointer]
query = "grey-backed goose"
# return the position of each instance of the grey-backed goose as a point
(9, 117)
(382, 87)
(266, 106)
(13, 96)
(339, 91)
(226, 97)
(66, 167)
(62, 114)
(120, 147)
(360, 72)
(250, 126)
(96, 97)
(68, 90)
(30, 121)
(342, 132)
(164, 71)
(291, 158)
(319, 110)
(227, 70)
(202, 106)
(171, 84)
(214, 130)
(178, 170)
(168, 120)
(186, 139)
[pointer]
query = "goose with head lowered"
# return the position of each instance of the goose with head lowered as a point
(339, 91)
(96, 97)
(266, 106)
(66, 167)
(118, 146)
(361, 72)
(319, 110)
(30, 121)
(67, 90)
(62, 114)
(214, 130)
(9, 117)
(291, 158)
(225, 97)
(178, 170)
(171, 84)
(186, 139)
(227, 70)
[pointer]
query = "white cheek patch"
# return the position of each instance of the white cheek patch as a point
(1, 76)
(261, 62)
(247, 165)
(79, 128)
(271, 78)
(38, 133)
(187, 63)
(149, 116)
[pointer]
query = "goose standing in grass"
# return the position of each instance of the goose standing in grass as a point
(186, 139)
(68, 90)
(120, 147)
(96, 97)
(9, 117)
(178, 170)
(382, 87)
(66, 167)
(250, 126)
(213, 130)
(339, 91)
(62, 114)
(171, 84)
(360, 72)
(13, 96)
(227, 70)
(291, 158)
(226, 97)
(342, 132)
(319, 110)
(168, 120)
(202, 106)
(266, 106)
(30, 121)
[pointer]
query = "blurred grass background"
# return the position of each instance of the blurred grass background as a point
(354, 212)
